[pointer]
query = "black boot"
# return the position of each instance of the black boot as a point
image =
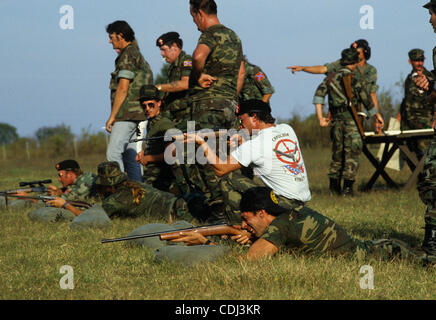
(335, 186)
(429, 244)
(348, 188)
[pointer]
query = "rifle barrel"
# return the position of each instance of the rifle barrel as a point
(155, 234)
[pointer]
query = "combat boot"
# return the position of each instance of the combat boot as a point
(335, 187)
(347, 191)
(429, 244)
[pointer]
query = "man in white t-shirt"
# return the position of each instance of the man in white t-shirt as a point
(273, 152)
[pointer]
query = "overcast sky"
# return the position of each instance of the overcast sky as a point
(53, 75)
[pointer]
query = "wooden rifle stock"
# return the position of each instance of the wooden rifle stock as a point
(209, 230)
(349, 92)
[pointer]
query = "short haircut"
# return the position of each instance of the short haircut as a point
(208, 6)
(263, 116)
(178, 42)
(123, 27)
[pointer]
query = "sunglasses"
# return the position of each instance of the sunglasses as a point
(150, 105)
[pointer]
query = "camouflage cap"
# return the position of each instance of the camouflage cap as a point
(167, 37)
(349, 56)
(416, 54)
(148, 92)
(259, 198)
(109, 174)
(67, 165)
(429, 4)
(252, 105)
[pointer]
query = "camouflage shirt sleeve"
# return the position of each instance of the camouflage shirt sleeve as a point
(372, 79)
(208, 39)
(363, 95)
(277, 232)
(333, 66)
(262, 81)
(127, 64)
(186, 66)
(320, 92)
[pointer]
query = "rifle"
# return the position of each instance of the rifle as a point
(347, 84)
(82, 204)
(174, 137)
(34, 186)
(209, 230)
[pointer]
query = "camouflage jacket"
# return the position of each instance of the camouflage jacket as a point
(338, 101)
(83, 188)
(130, 64)
(154, 203)
(367, 73)
(427, 177)
(176, 101)
(306, 230)
(156, 127)
(223, 63)
(416, 112)
(256, 83)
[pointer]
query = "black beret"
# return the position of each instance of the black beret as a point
(252, 105)
(167, 37)
(67, 165)
(258, 198)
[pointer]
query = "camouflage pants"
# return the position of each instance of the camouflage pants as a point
(159, 176)
(232, 186)
(427, 183)
(419, 147)
(389, 249)
(346, 149)
(213, 114)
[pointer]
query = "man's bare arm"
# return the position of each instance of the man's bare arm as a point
(241, 77)
(199, 60)
(120, 96)
(261, 248)
(309, 69)
(176, 86)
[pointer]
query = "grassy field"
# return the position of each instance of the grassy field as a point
(31, 253)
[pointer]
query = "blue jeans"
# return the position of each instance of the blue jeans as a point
(120, 150)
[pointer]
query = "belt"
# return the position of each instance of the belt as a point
(337, 110)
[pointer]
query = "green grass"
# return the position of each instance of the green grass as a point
(32, 253)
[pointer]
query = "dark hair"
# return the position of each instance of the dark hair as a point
(122, 27)
(208, 6)
(263, 116)
(178, 42)
(258, 198)
(362, 43)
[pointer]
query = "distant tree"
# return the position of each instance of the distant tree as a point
(58, 139)
(8, 133)
(43, 134)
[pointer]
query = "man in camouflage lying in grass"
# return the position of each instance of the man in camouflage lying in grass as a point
(304, 230)
(122, 197)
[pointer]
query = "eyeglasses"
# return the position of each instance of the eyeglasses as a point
(60, 175)
(150, 105)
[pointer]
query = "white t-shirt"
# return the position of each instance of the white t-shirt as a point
(282, 170)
